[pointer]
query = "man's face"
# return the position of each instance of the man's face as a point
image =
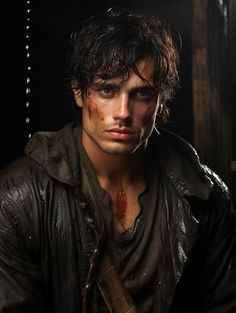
(118, 115)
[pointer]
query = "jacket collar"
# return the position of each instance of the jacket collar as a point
(57, 153)
(180, 162)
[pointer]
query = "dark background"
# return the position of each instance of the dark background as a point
(50, 105)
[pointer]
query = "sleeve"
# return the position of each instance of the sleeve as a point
(21, 279)
(208, 283)
(218, 289)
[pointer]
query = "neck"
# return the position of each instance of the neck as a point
(115, 171)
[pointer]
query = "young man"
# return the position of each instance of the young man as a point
(113, 213)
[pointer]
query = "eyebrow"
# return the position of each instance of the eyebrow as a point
(100, 84)
(145, 87)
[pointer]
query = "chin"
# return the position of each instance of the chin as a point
(118, 149)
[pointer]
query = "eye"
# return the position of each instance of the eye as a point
(107, 90)
(145, 94)
(142, 93)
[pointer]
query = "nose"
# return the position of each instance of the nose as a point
(121, 110)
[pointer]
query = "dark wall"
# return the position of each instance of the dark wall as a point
(50, 106)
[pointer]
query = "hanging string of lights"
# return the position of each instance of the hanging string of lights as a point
(28, 64)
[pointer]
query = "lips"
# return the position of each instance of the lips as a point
(121, 130)
(120, 133)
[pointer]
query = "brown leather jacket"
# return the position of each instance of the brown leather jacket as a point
(50, 239)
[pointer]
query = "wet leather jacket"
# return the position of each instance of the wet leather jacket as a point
(50, 239)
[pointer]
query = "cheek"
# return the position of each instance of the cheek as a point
(94, 112)
(97, 111)
(89, 111)
(147, 116)
(91, 108)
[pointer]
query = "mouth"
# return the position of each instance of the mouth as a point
(120, 133)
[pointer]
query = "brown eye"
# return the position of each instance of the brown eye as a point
(107, 90)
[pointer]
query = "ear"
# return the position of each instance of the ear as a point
(77, 93)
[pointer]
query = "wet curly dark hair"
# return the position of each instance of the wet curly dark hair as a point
(110, 44)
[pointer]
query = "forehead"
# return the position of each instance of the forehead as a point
(141, 73)
(145, 66)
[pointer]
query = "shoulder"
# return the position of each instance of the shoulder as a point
(19, 167)
(21, 173)
(22, 184)
(219, 204)
(180, 161)
(219, 187)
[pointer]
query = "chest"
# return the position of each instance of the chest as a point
(126, 207)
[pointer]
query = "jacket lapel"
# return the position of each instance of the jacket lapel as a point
(183, 176)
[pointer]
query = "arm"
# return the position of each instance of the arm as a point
(21, 281)
(208, 283)
(219, 267)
